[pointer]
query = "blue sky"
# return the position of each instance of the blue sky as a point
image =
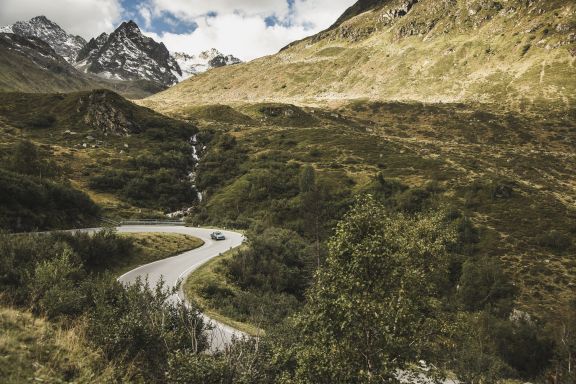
(245, 28)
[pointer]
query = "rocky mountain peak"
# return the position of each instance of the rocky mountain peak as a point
(126, 54)
(66, 45)
(129, 28)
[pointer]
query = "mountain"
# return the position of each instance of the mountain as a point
(66, 45)
(194, 64)
(512, 53)
(28, 64)
(125, 60)
(126, 54)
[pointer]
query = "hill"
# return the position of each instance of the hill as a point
(130, 160)
(513, 54)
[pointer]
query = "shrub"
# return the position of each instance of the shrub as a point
(555, 240)
(483, 285)
(140, 325)
(54, 286)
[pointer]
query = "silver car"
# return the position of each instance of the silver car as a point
(217, 236)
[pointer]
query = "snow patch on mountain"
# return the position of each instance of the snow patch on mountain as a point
(127, 54)
(195, 64)
(64, 44)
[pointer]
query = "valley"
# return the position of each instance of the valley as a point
(403, 182)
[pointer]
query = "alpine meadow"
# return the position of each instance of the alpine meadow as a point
(288, 191)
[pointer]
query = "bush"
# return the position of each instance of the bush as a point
(55, 289)
(28, 203)
(98, 251)
(278, 260)
(483, 285)
(139, 325)
(555, 240)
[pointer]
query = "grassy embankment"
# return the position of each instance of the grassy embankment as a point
(150, 247)
(211, 276)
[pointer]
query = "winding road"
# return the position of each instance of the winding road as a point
(177, 268)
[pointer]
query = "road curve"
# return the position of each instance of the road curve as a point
(177, 268)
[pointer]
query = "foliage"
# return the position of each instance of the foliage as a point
(555, 240)
(221, 163)
(484, 285)
(277, 260)
(141, 325)
(373, 307)
(243, 362)
(489, 348)
(97, 251)
(27, 159)
(32, 197)
(55, 286)
(137, 327)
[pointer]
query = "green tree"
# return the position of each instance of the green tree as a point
(311, 207)
(373, 307)
(483, 284)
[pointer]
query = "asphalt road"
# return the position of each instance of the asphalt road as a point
(177, 268)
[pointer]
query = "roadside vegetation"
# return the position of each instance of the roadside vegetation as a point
(65, 318)
(289, 182)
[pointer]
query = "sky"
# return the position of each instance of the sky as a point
(245, 28)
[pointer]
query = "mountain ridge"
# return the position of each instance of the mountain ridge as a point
(65, 44)
(125, 55)
(515, 54)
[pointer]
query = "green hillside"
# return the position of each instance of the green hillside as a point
(130, 160)
(512, 54)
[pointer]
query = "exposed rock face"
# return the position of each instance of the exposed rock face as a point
(398, 11)
(92, 48)
(194, 64)
(101, 113)
(126, 54)
(64, 44)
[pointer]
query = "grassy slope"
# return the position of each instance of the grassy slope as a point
(103, 152)
(209, 275)
(466, 153)
(439, 52)
(19, 74)
(33, 350)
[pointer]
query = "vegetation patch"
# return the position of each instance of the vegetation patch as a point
(208, 285)
(216, 113)
(35, 350)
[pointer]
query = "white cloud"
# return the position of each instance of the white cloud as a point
(246, 37)
(235, 27)
(192, 9)
(87, 18)
(321, 13)
(146, 15)
(239, 26)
